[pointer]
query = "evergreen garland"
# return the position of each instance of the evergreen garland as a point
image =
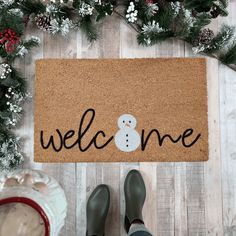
(153, 20)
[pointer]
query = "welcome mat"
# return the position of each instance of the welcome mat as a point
(121, 110)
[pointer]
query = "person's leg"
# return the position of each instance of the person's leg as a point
(97, 209)
(138, 230)
(135, 195)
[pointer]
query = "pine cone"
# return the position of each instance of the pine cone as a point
(204, 37)
(43, 21)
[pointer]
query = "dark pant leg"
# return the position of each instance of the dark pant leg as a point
(140, 233)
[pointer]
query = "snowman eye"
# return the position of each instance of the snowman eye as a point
(123, 121)
(129, 121)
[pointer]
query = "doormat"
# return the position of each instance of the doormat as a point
(121, 110)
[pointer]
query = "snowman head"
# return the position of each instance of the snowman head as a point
(127, 121)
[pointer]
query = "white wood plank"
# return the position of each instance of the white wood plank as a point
(212, 167)
(129, 47)
(149, 173)
(165, 199)
(181, 224)
(67, 180)
(227, 79)
(81, 191)
(195, 199)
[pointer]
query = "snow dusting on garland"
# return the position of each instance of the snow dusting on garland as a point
(153, 20)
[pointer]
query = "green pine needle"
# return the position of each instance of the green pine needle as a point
(165, 17)
(199, 5)
(229, 56)
(32, 6)
(221, 39)
(202, 20)
(153, 38)
(224, 3)
(7, 21)
(87, 27)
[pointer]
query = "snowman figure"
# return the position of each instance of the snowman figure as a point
(127, 139)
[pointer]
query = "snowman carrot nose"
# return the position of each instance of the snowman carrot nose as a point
(127, 125)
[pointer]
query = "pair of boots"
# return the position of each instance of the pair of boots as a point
(99, 201)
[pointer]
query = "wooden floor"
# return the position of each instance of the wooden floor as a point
(182, 198)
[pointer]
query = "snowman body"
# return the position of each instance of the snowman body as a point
(127, 139)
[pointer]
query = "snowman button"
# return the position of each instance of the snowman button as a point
(127, 135)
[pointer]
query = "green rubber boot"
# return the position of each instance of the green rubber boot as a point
(97, 210)
(135, 194)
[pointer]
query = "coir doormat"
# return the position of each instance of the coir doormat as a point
(121, 110)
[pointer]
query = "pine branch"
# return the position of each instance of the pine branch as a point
(4, 134)
(30, 43)
(22, 84)
(153, 38)
(31, 6)
(199, 5)
(22, 49)
(224, 3)
(220, 40)
(11, 22)
(165, 16)
(229, 56)
(87, 27)
(202, 20)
